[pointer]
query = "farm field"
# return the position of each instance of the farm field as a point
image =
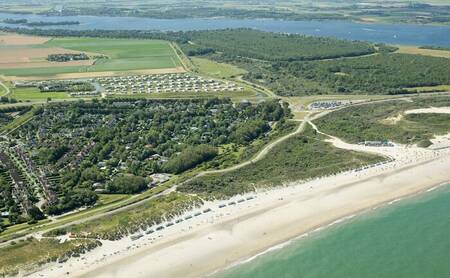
(19, 59)
(423, 51)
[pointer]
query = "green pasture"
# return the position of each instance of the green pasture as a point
(120, 55)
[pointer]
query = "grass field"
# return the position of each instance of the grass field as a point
(33, 94)
(217, 70)
(122, 55)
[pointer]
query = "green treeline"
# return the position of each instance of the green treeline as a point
(190, 157)
(376, 74)
(128, 184)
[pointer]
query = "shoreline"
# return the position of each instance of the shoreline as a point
(341, 221)
(217, 241)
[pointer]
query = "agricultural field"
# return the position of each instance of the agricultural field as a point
(434, 52)
(106, 55)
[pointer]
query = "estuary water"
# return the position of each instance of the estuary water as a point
(408, 239)
(407, 34)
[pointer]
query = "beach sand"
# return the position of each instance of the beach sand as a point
(226, 236)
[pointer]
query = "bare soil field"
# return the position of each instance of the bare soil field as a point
(20, 55)
(97, 74)
(21, 40)
(425, 52)
(43, 64)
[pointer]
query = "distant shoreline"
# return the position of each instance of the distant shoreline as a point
(341, 221)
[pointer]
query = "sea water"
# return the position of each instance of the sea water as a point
(407, 239)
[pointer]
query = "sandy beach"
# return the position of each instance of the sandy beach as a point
(225, 236)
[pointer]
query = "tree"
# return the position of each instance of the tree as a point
(35, 213)
(250, 130)
(128, 184)
(190, 157)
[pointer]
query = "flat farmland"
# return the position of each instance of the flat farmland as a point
(35, 57)
(107, 55)
(123, 54)
(13, 39)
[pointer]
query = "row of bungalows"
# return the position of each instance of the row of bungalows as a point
(151, 84)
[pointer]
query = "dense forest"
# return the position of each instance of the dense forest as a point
(267, 46)
(377, 74)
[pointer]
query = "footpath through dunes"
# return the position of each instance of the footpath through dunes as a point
(238, 233)
(261, 154)
(402, 154)
(431, 110)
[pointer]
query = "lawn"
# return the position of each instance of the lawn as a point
(218, 70)
(33, 94)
